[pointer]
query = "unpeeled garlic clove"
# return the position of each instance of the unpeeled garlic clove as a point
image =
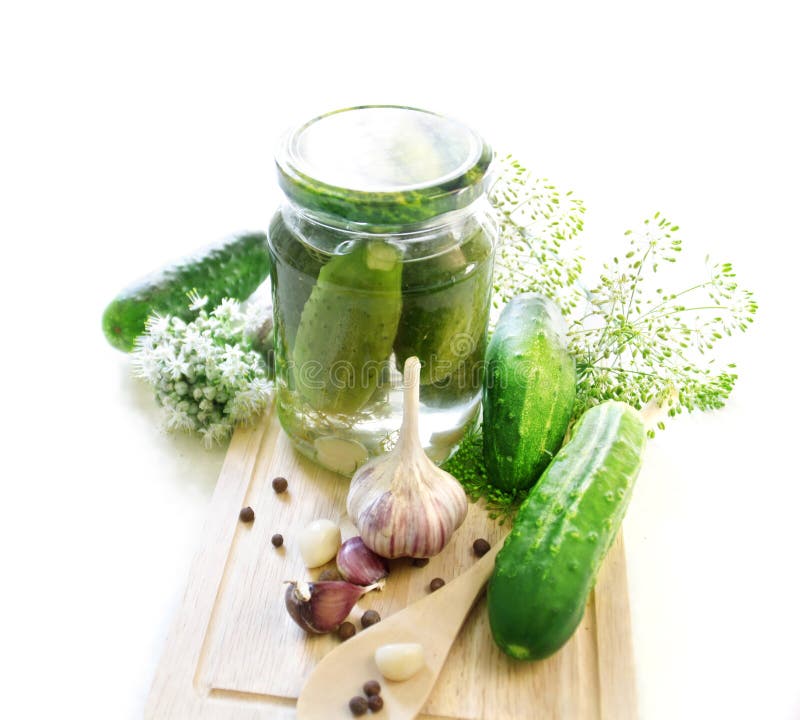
(402, 504)
(358, 564)
(399, 661)
(320, 607)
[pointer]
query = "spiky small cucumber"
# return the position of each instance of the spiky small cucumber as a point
(529, 391)
(233, 268)
(347, 327)
(549, 563)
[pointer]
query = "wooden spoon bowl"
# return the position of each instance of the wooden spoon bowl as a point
(433, 622)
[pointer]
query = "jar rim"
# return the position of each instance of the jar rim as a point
(383, 164)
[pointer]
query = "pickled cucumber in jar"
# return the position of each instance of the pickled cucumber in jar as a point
(295, 269)
(347, 327)
(445, 312)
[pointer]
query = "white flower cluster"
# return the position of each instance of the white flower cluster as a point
(205, 373)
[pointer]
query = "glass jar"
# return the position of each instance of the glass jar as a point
(382, 250)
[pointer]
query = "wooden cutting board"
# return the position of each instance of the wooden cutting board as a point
(233, 651)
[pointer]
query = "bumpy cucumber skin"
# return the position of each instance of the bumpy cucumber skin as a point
(529, 392)
(549, 563)
(233, 267)
(347, 328)
(446, 310)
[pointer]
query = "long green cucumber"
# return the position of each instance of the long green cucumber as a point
(529, 391)
(550, 560)
(347, 327)
(233, 268)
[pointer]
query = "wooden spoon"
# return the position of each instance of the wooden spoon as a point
(433, 621)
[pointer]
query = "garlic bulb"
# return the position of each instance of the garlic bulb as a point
(401, 503)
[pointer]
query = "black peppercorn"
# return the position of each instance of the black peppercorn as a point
(375, 703)
(480, 547)
(436, 583)
(277, 540)
(369, 618)
(420, 562)
(358, 705)
(346, 630)
(372, 687)
(246, 514)
(279, 484)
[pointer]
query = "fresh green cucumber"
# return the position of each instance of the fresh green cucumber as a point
(233, 268)
(549, 562)
(347, 327)
(529, 391)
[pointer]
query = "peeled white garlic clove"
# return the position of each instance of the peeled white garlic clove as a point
(341, 456)
(399, 661)
(319, 542)
(401, 503)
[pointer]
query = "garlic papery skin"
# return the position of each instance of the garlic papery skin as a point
(357, 564)
(401, 503)
(320, 607)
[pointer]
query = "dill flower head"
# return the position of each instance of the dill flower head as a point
(206, 375)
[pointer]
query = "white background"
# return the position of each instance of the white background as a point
(131, 133)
